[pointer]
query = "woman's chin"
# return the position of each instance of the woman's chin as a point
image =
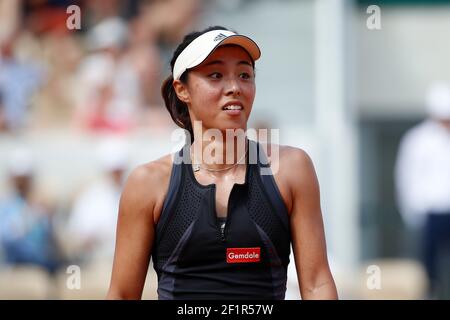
(233, 128)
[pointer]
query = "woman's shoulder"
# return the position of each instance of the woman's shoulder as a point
(289, 165)
(148, 182)
(156, 169)
(152, 172)
(293, 166)
(288, 157)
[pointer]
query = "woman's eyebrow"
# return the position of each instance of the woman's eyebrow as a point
(213, 62)
(245, 62)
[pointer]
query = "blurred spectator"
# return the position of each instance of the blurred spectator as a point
(95, 11)
(143, 54)
(54, 104)
(26, 233)
(172, 18)
(109, 87)
(18, 81)
(92, 222)
(423, 183)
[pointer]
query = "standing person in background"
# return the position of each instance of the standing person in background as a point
(422, 175)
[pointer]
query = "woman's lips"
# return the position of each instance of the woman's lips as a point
(233, 112)
(233, 109)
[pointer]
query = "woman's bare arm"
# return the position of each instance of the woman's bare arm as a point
(308, 237)
(135, 230)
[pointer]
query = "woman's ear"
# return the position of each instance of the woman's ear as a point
(181, 91)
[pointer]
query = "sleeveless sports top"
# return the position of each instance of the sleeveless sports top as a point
(197, 256)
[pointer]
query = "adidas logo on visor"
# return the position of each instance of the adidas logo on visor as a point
(220, 36)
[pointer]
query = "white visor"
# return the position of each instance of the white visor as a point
(200, 48)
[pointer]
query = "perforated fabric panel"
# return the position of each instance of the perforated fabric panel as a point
(262, 213)
(182, 215)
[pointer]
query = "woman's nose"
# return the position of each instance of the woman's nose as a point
(233, 87)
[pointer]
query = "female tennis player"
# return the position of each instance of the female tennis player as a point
(220, 229)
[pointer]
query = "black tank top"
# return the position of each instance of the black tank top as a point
(195, 258)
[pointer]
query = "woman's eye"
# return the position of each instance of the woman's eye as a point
(245, 75)
(215, 75)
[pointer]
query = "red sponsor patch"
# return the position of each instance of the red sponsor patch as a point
(242, 255)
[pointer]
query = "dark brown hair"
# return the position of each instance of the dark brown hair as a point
(178, 109)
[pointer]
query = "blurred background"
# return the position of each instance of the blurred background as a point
(362, 88)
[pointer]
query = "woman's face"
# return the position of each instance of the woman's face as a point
(221, 90)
